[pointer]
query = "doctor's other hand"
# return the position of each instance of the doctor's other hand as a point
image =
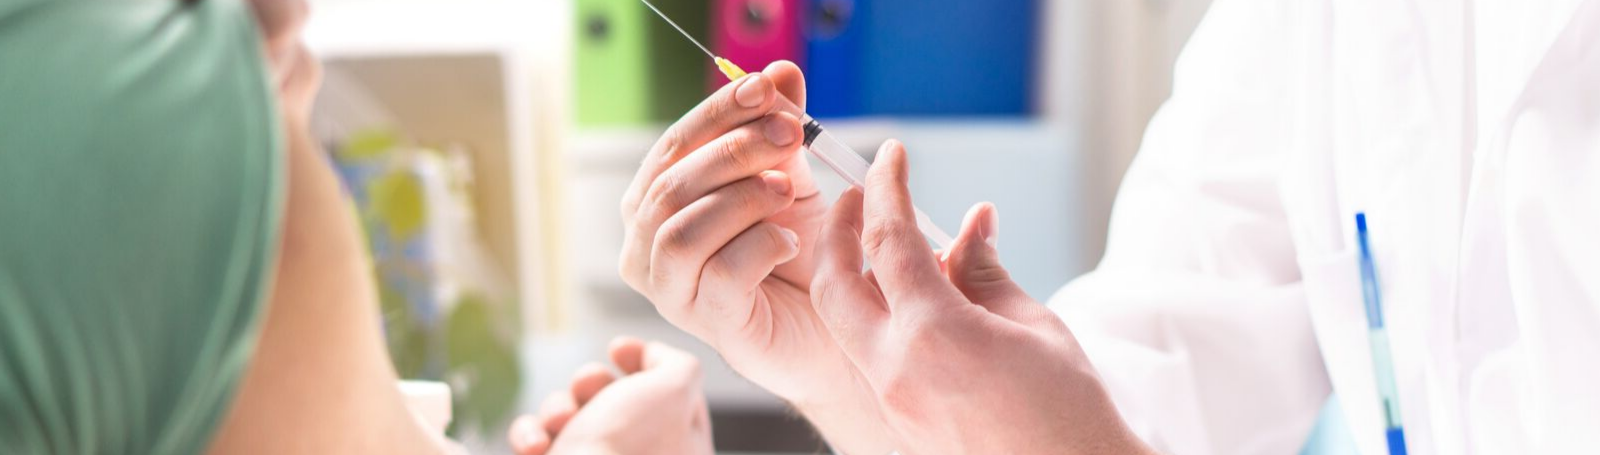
(720, 222)
(961, 360)
(656, 406)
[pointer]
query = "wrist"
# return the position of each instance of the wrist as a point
(849, 423)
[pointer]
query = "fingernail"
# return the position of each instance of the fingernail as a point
(887, 146)
(527, 433)
(750, 93)
(990, 229)
(794, 239)
(530, 435)
(778, 131)
(777, 182)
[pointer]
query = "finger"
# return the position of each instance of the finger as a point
(627, 353)
(556, 411)
(906, 269)
(527, 436)
(734, 274)
(975, 265)
(684, 243)
(588, 381)
(790, 81)
(299, 86)
(791, 84)
(846, 302)
(280, 22)
(735, 104)
(677, 367)
(739, 155)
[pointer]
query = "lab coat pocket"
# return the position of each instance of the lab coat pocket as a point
(1333, 294)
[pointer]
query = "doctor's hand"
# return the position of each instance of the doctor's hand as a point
(961, 360)
(720, 223)
(656, 407)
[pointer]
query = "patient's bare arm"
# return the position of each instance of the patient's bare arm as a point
(320, 380)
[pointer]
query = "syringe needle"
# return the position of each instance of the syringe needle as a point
(680, 29)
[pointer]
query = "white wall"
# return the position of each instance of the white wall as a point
(1127, 51)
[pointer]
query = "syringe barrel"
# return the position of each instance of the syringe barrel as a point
(849, 165)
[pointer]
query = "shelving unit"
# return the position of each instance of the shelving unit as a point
(466, 75)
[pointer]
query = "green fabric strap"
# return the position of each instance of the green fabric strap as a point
(140, 194)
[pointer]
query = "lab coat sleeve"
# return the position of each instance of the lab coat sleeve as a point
(1196, 318)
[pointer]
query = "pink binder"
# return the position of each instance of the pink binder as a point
(755, 33)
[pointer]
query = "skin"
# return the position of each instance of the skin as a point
(321, 380)
(899, 360)
(655, 407)
(946, 348)
(721, 221)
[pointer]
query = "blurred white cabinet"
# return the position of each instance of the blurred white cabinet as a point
(471, 73)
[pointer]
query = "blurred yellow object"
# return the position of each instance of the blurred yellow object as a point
(734, 72)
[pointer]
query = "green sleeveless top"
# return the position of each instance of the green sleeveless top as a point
(140, 194)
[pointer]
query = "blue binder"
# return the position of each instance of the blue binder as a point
(833, 50)
(946, 57)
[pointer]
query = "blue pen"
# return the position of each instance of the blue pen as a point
(1378, 337)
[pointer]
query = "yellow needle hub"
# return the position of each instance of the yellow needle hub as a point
(729, 69)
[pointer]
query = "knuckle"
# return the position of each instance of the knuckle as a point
(722, 110)
(737, 151)
(666, 193)
(823, 289)
(659, 277)
(630, 269)
(687, 382)
(986, 274)
(673, 238)
(823, 296)
(921, 335)
(671, 145)
(876, 185)
(879, 238)
(899, 394)
(691, 364)
(753, 196)
(720, 269)
(775, 239)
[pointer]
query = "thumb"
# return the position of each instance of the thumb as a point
(974, 265)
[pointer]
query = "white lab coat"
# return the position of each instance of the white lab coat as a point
(1228, 304)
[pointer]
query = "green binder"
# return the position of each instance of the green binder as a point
(633, 68)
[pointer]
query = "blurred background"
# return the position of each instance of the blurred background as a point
(488, 143)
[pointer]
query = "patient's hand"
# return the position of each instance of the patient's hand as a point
(295, 72)
(655, 407)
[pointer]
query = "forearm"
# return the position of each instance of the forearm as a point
(848, 431)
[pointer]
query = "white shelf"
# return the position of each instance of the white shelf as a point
(356, 28)
(602, 148)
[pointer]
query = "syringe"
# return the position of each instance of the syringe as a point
(844, 161)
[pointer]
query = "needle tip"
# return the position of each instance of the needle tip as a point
(680, 29)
